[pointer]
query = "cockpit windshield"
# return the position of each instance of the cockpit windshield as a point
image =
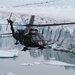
(37, 37)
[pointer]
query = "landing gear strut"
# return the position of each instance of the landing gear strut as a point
(25, 49)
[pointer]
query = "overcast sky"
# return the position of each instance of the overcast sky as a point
(18, 2)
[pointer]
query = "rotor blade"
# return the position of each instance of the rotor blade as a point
(55, 24)
(31, 20)
(4, 36)
(8, 23)
(5, 33)
(44, 25)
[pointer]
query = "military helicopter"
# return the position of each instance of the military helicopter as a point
(30, 37)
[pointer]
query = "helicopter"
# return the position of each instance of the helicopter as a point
(30, 37)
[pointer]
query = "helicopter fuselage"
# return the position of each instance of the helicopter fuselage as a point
(31, 39)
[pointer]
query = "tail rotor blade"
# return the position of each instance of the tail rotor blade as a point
(8, 23)
(5, 33)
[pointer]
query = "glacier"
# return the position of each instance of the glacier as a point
(48, 12)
